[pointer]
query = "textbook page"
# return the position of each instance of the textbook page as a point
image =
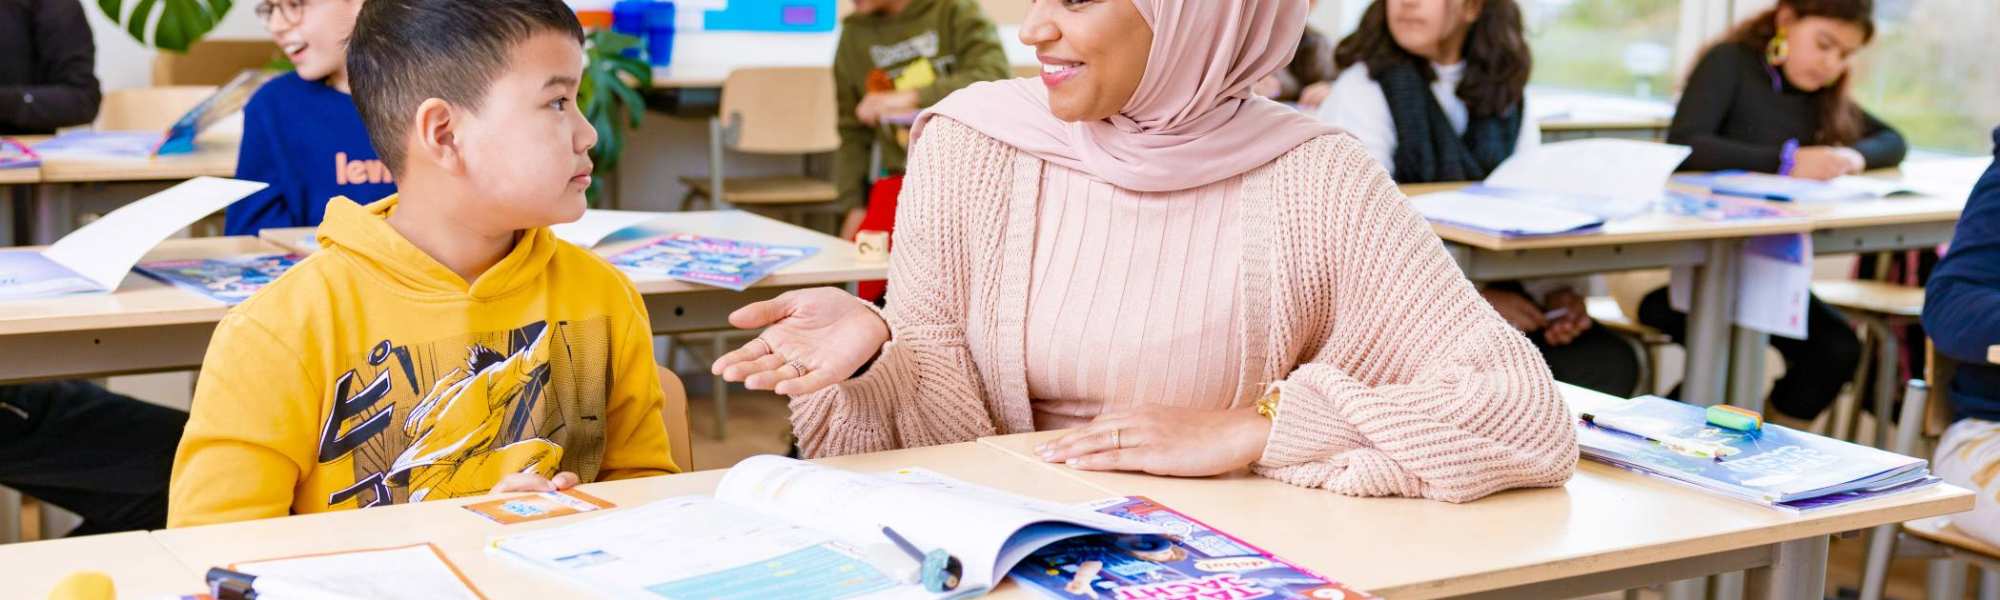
(412, 572)
(932, 511)
(1610, 178)
(1500, 213)
(105, 250)
(596, 225)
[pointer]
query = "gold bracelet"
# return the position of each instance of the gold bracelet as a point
(1268, 405)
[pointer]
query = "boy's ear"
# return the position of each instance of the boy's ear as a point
(436, 140)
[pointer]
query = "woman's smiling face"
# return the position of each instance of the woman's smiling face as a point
(1093, 54)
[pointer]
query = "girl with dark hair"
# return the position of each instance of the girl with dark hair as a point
(1436, 91)
(1771, 97)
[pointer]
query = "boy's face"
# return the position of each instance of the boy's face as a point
(313, 34)
(527, 148)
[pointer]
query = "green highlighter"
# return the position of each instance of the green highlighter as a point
(1731, 417)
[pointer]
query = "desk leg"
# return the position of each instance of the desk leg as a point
(1729, 586)
(1709, 326)
(1687, 589)
(1798, 570)
(1746, 369)
(50, 216)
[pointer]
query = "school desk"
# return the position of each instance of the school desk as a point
(463, 535)
(702, 60)
(50, 206)
(680, 307)
(145, 326)
(138, 565)
(1606, 530)
(21, 176)
(1569, 115)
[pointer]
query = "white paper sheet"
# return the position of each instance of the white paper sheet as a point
(599, 224)
(413, 572)
(105, 250)
(1774, 285)
(1500, 214)
(1610, 178)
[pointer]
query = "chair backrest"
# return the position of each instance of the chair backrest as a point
(212, 62)
(148, 109)
(674, 412)
(1938, 371)
(780, 110)
(1006, 12)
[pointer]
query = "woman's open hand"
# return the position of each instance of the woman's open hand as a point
(812, 339)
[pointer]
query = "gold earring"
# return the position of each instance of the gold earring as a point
(1779, 48)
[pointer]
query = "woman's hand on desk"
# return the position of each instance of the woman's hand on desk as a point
(812, 339)
(1179, 442)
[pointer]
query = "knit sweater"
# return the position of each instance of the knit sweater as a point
(1395, 379)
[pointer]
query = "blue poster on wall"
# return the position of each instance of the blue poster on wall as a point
(772, 15)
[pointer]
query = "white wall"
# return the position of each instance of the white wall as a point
(124, 63)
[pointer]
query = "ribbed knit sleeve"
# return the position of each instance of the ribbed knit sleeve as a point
(924, 389)
(1415, 386)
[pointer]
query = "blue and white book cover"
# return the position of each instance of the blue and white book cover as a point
(25, 275)
(1777, 465)
(226, 280)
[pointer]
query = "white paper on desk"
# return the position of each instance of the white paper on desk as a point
(1609, 178)
(1873, 187)
(596, 225)
(411, 572)
(1500, 213)
(105, 250)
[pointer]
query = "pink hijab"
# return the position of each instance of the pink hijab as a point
(1193, 120)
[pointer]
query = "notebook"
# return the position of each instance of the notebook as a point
(1542, 191)
(783, 528)
(96, 257)
(407, 572)
(1765, 186)
(1778, 466)
(1194, 562)
(723, 263)
(226, 280)
(177, 139)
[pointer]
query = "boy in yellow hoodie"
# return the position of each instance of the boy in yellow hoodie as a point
(443, 343)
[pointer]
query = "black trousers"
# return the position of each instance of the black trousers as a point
(1815, 368)
(1597, 359)
(103, 456)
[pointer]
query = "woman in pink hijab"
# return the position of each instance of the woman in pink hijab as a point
(1190, 279)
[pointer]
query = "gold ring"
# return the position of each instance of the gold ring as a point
(1116, 441)
(801, 369)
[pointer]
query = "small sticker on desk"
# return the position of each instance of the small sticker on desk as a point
(535, 507)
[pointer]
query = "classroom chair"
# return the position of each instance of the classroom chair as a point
(1882, 309)
(1647, 342)
(773, 111)
(674, 412)
(1924, 418)
(213, 62)
(148, 109)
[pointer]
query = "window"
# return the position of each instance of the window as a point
(1618, 47)
(1932, 73)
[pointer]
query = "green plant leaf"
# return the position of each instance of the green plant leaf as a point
(176, 26)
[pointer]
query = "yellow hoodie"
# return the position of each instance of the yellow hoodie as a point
(371, 374)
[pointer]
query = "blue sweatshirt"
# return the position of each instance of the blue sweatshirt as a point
(1962, 302)
(306, 140)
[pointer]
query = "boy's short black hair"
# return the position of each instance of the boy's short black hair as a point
(404, 52)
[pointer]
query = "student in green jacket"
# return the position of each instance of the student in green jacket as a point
(897, 57)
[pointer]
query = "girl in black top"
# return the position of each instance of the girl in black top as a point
(1772, 97)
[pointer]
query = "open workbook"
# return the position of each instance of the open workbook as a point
(1560, 188)
(782, 528)
(98, 256)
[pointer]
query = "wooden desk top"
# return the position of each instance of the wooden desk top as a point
(214, 157)
(838, 261)
(1604, 519)
(139, 302)
(23, 176)
(463, 535)
(138, 565)
(1605, 122)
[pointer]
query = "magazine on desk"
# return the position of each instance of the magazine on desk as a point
(1776, 466)
(16, 155)
(723, 263)
(783, 528)
(177, 139)
(226, 280)
(1194, 562)
(96, 257)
